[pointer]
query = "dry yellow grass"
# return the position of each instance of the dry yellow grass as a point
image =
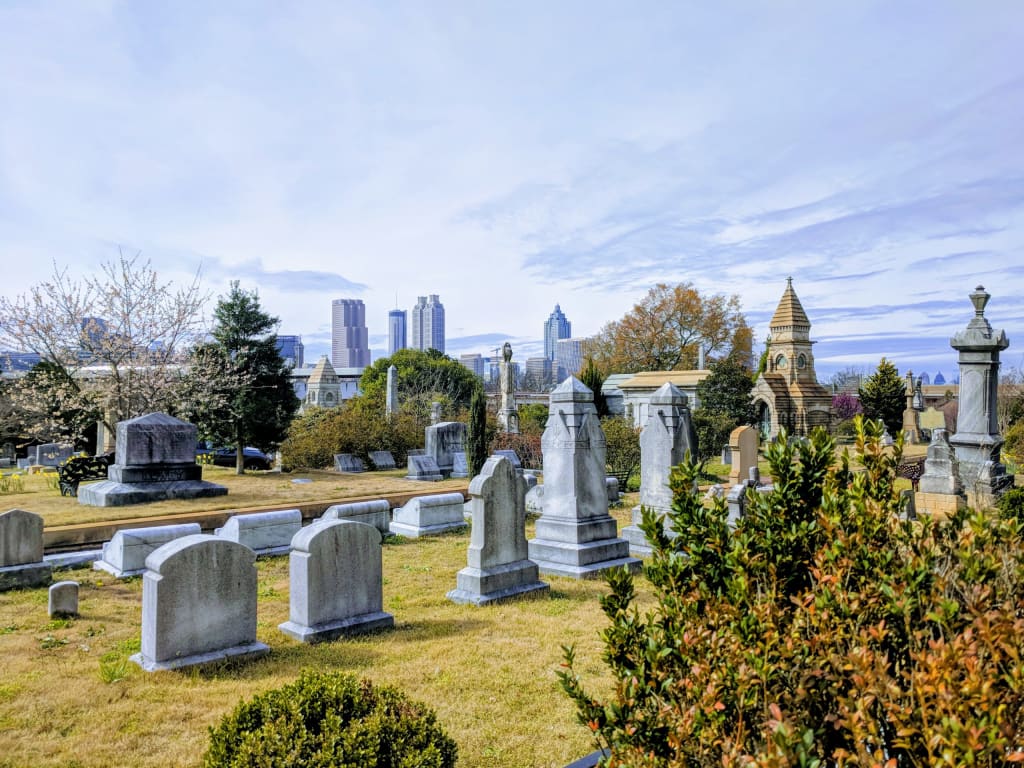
(489, 672)
(249, 490)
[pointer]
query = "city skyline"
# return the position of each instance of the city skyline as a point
(514, 157)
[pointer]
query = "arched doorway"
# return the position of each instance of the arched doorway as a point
(764, 421)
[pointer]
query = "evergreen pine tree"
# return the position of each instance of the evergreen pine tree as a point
(593, 379)
(476, 439)
(238, 391)
(883, 396)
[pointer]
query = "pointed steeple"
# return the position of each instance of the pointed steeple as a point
(790, 312)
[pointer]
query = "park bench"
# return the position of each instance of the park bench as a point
(79, 468)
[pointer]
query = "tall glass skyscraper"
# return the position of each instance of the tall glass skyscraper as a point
(428, 324)
(556, 327)
(396, 331)
(291, 350)
(350, 346)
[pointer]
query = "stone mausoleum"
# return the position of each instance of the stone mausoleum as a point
(788, 395)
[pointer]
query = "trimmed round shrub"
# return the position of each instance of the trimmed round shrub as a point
(330, 719)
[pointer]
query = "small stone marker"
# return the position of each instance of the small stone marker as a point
(423, 468)
(498, 567)
(460, 467)
(743, 450)
(63, 599)
(21, 551)
(611, 484)
(940, 491)
(198, 604)
(429, 516)
(53, 454)
(511, 456)
(126, 552)
(335, 583)
(347, 462)
(265, 533)
(382, 460)
(535, 500)
(376, 513)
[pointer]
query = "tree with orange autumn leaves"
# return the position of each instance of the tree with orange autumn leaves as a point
(665, 329)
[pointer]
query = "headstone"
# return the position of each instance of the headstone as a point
(667, 437)
(941, 468)
(24, 463)
(382, 460)
(429, 516)
(508, 413)
(612, 486)
(53, 454)
(444, 439)
(911, 413)
(423, 468)
(726, 455)
(391, 398)
(743, 450)
(498, 566)
(376, 513)
(336, 582)
(347, 462)
(460, 467)
(198, 604)
(155, 460)
(265, 533)
(575, 535)
(63, 599)
(21, 551)
(126, 552)
(977, 441)
(529, 478)
(435, 413)
(535, 500)
(513, 457)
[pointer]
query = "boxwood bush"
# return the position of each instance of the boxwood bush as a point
(330, 719)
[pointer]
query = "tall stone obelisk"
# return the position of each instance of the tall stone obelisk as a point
(977, 441)
(508, 414)
(391, 398)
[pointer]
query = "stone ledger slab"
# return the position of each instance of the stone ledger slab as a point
(336, 582)
(423, 468)
(382, 460)
(376, 513)
(126, 552)
(347, 462)
(265, 533)
(429, 516)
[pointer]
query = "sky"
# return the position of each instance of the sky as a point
(511, 156)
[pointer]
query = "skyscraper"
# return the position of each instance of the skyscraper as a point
(396, 331)
(349, 339)
(556, 327)
(428, 324)
(291, 350)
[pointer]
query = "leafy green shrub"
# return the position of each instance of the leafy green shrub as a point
(825, 629)
(1011, 504)
(527, 448)
(622, 445)
(330, 719)
(1014, 444)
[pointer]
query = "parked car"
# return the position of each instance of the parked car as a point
(253, 458)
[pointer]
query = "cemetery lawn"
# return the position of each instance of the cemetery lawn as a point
(70, 697)
(253, 489)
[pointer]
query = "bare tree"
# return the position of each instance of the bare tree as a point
(120, 337)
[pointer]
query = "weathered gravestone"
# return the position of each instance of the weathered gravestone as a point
(666, 439)
(376, 513)
(265, 533)
(382, 460)
(460, 467)
(155, 460)
(513, 457)
(347, 462)
(126, 552)
(498, 565)
(53, 454)
(21, 551)
(335, 583)
(444, 439)
(62, 599)
(198, 604)
(743, 450)
(423, 468)
(429, 516)
(575, 535)
(940, 491)
(611, 485)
